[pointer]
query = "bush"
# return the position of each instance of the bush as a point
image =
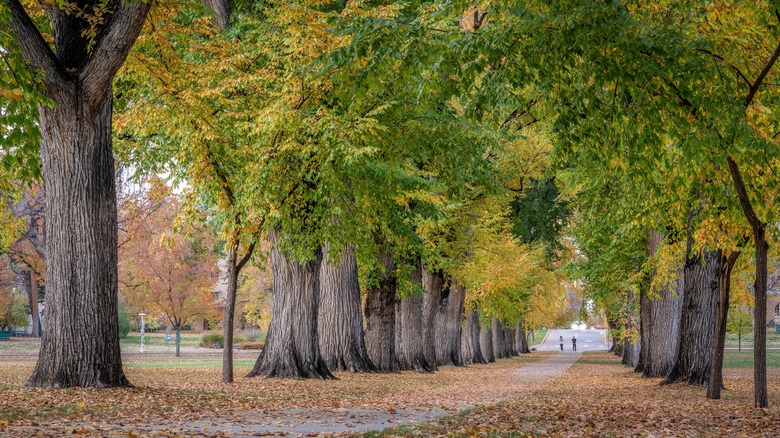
(124, 322)
(215, 339)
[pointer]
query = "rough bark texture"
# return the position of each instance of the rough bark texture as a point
(291, 349)
(340, 319)
(380, 318)
(409, 327)
(433, 282)
(449, 325)
(509, 342)
(521, 339)
(697, 321)
(724, 285)
(221, 9)
(80, 346)
(471, 348)
(499, 342)
(660, 322)
(486, 343)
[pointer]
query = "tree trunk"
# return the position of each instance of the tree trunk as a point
(521, 339)
(178, 340)
(697, 320)
(409, 324)
(486, 343)
(761, 397)
(291, 348)
(471, 348)
(499, 343)
(660, 322)
(630, 349)
(433, 282)
(449, 329)
(340, 329)
(715, 383)
(234, 268)
(34, 314)
(380, 317)
(644, 327)
(509, 342)
(80, 346)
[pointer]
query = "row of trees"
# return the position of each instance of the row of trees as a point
(417, 140)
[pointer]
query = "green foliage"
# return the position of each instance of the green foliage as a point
(740, 321)
(540, 215)
(124, 321)
(15, 314)
(216, 339)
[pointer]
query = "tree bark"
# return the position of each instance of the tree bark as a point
(80, 346)
(724, 288)
(340, 329)
(499, 343)
(409, 327)
(221, 9)
(471, 348)
(521, 339)
(291, 348)
(660, 322)
(486, 343)
(449, 329)
(695, 337)
(433, 282)
(380, 317)
(630, 349)
(509, 342)
(760, 394)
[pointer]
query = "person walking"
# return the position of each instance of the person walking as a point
(574, 343)
(561, 340)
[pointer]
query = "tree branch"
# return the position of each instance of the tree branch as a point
(246, 257)
(112, 48)
(34, 48)
(769, 64)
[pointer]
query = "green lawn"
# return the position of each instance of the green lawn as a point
(772, 339)
(214, 364)
(744, 359)
(538, 336)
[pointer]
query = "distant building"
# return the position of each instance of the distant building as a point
(220, 294)
(773, 307)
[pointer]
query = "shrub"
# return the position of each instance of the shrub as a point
(215, 339)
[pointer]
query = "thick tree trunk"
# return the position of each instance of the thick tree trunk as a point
(697, 320)
(291, 348)
(409, 327)
(471, 348)
(433, 282)
(644, 327)
(380, 318)
(449, 329)
(486, 343)
(660, 322)
(80, 346)
(340, 329)
(521, 339)
(724, 285)
(509, 342)
(499, 341)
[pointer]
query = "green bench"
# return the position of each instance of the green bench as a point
(5, 336)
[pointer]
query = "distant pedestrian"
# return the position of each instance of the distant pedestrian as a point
(561, 343)
(574, 343)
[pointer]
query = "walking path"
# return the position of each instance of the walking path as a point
(329, 420)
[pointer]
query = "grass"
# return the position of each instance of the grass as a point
(538, 337)
(744, 359)
(772, 339)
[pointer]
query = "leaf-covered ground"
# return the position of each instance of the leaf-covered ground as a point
(595, 397)
(599, 397)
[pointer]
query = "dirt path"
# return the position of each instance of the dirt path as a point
(379, 413)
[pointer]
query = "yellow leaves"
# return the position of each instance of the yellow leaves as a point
(14, 94)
